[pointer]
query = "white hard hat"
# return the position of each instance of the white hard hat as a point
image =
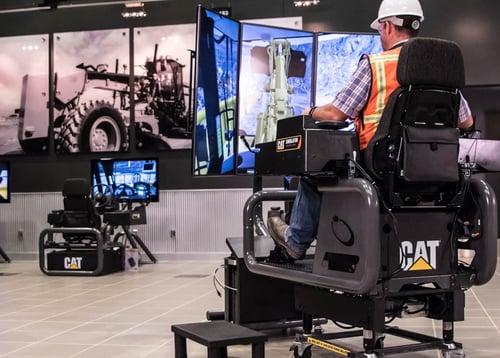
(390, 8)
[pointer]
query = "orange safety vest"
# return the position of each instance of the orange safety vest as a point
(384, 82)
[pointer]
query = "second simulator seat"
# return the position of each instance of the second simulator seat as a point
(390, 238)
(77, 243)
(79, 210)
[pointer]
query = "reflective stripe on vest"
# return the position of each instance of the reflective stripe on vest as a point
(384, 82)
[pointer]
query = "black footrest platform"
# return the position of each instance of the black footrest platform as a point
(217, 336)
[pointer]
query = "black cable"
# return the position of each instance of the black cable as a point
(216, 282)
(244, 139)
(342, 326)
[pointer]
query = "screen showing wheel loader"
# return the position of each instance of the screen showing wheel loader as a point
(93, 101)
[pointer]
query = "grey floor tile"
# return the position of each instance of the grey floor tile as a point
(130, 315)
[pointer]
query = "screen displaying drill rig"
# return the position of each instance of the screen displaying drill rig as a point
(249, 76)
(276, 79)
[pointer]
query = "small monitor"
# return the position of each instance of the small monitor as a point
(4, 182)
(128, 180)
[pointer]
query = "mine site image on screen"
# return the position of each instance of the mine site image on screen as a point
(338, 55)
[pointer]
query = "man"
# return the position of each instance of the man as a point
(363, 97)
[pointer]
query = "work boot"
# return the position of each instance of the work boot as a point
(277, 227)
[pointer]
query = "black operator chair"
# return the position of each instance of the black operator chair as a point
(392, 234)
(77, 243)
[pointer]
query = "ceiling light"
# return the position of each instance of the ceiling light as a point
(305, 3)
(134, 9)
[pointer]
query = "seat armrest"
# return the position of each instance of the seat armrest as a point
(336, 125)
(56, 217)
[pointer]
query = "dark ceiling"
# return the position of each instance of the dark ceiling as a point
(9, 5)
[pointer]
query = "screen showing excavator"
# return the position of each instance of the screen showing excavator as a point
(275, 82)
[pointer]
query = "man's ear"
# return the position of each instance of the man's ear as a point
(389, 27)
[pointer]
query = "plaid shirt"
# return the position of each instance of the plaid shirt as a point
(353, 97)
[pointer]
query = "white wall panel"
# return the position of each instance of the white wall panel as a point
(182, 222)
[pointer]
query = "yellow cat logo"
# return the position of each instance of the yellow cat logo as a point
(419, 255)
(73, 263)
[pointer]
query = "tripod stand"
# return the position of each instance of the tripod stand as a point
(4, 255)
(124, 219)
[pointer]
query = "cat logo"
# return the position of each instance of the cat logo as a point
(419, 255)
(73, 263)
(288, 143)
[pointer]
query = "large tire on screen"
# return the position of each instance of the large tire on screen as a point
(93, 127)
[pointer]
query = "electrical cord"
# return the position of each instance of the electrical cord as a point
(342, 325)
(218, 284)
(247, 145)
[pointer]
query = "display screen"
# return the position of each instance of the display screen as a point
(275, 82)
(338, 55)
(4, 182)
(249, 76)
(337, 58)
(217, 60)
(128, 180)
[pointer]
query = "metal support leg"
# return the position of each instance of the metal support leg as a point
(136, 241)
(448, 333)
(307, 323)
(4, 255)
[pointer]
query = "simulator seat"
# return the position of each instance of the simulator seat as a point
(79, 210)
(404, 236)
(77, 243)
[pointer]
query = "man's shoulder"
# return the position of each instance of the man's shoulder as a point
(392, 54)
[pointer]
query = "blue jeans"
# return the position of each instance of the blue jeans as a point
(304, 219)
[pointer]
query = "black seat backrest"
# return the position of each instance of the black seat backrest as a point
(414, 152)
(79, 208)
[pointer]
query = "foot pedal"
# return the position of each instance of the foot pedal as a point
(279, 256)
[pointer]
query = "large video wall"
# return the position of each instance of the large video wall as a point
(252, 75)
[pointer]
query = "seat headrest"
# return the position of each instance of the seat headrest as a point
(76, 187)
(430, 61)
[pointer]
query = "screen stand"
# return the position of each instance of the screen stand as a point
(135, 242)
(124, 218)
(4, 255)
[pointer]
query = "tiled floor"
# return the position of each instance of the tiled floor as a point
(129, 314)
